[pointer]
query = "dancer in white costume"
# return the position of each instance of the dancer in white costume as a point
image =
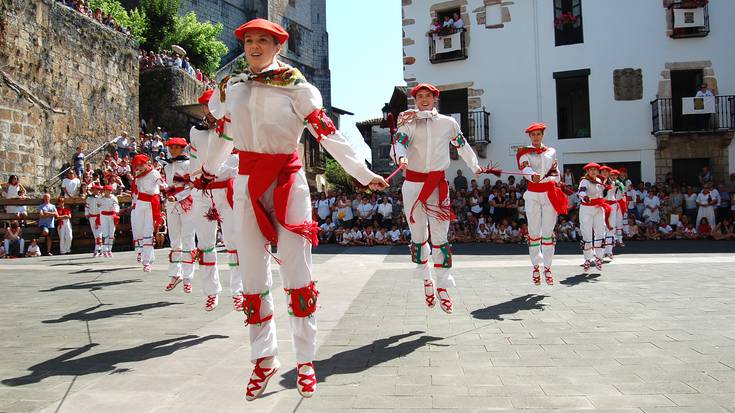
(544, 200)
(109, 210)
(212, 204)
(92, 213)
(146, 216)
(422, 144)
(265, 109)
(617, 200)
(179, 218)
(594, 215)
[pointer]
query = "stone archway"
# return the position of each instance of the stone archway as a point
(664, 83)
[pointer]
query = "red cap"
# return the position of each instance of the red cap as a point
(261, 24)
(535, 126)
(107, 188)
(204, 98)
(428, 86)
(96, 186)
(592, 165)
(140, 159)
(176, 141)
(623, 169)
(605, 168)
(614, 172)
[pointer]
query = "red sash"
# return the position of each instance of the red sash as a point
(556, 196)
(229, 185)
(432, 181)
(601, 203)
(155, 201)
(112, 214)
(97, 221)
(64, 211)
(281, 168)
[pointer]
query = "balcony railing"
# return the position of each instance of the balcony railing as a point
(448, 46)
(666, 114)
(689, 18)
(478, 130)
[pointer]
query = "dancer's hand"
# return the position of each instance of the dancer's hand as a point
(378, 184)
(535, 178)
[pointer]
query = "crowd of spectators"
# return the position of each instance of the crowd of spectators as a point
(446, 26)
(83, 7)
(149, 60)
(494, 212)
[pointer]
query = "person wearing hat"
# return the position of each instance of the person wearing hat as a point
(263, 110)
(421, 143)
(109, 209)
(619, 208)
(544, 200)
(178, 215)
(92, 213)
(594, 215)
(212, 204)
(609, 195)
(146, 215)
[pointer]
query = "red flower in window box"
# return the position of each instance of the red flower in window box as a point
(566, 18)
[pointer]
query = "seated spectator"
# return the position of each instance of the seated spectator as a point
(723, 230)
(651, 232)
(394, 235)
(633, 231)
(704, 230)
(13, 240)
(326, 231)
(33, 249)
(665, 230)
(690, 232)
(483, 233)
(381, 237)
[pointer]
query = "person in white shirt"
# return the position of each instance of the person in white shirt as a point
(92, 213)
(704, 91)
(448, 22)
(109, 208)
(651, 213)
(146, 218)
(33, 250)
(706, 202)
(394, 234)
(268, 105)
(381, 238)
(324, 207)
(422, 145)
(365, 211)
(593, 217)
(121, 143)
(458, 22)
(385, 211)
(71, 184)
(327, 231)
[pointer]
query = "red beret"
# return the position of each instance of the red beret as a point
(176, 141)
(204, 98)
(140, 159)
(614, 172)
(592, 165)
(623, 169)
(96, 186)
(107, 188)
(605, 168)
(431, 88)
(261, 24)
(536, 126)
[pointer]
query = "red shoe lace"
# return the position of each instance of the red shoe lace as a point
(446, 302)
(429, 297)
(548, 276)
(261, 374)
(173, 283)
(306, 381)
(536, 275)
(187, 288)
(237, 301)
(210, 301)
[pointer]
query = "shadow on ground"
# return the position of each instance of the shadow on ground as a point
(496, 312)
(68, 365)
(580, 279)
(88, 315)
(360, 359)
(89, 285)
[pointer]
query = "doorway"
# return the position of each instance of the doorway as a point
(454, 103)
(686, 171)
(684, 83)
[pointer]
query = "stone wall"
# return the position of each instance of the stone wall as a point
(712, 146)
(165, 91)
(65, 81)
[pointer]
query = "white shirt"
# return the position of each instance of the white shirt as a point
(690, 201)
(394, 235)
(270, 119)
(323, 208)
(327, 227)
(108, 204)
(181, 169)
(121, 142)
(590, 189)
(380, 236)
(150, 183)
(633, 195)
(542, 164)
(458, 24)
(385, 209)
(665, 229)
(91, 207)
(423, 138)
(71, 186)
(364, 210)
(701, 94)
(703, 198)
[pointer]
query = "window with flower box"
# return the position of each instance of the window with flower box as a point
(568, 22)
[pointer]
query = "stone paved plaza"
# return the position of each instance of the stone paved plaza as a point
(654, 333)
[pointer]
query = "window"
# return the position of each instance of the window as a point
(294, 38)
(292, 3)
(384, 152)
(568, 22)
(573, 104)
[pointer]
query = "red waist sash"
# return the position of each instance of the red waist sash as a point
(229, 185)
(432, 180)
(112, 214)
(265, 169)
(556, 196)
(155, 201)
(601, 203)
(97, 221)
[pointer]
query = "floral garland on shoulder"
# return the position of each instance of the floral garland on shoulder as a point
(283, 76)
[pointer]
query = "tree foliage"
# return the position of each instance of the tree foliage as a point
(337, 177)
(199, 39)
(161, 16)
(135, 20)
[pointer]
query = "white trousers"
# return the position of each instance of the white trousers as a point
(141, 219)
(96, 234)
(592, 226)
(611, 234)
(541, 217)
(65, 237)
(229, 233)
(181, 236)
(206, 238)
(427, 228)
(706, 212)
(107, 231)
(295, 254)
(137, 241)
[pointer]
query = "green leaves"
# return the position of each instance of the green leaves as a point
(337, 177)
(199, 39)
(135, 20)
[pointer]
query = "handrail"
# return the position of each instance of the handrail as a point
(56, 177)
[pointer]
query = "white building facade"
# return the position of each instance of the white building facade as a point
(603, 75)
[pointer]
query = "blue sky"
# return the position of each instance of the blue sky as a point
(365, 56)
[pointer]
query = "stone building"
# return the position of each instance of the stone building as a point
(613, 80)
(65, 81)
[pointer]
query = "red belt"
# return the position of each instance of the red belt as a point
(155, 201)
(229, 185)
(112, 214)
(601, 203)
(432, 180)
(556, 196)
(97, 221)
(281, 168)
